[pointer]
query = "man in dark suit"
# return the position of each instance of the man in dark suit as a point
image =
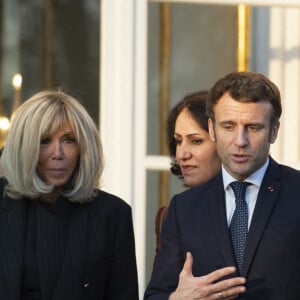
(201, 256)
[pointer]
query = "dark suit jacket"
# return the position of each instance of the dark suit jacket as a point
(196, 222)
(98, 260)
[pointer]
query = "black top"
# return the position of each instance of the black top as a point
(31, 284)
(83, 251)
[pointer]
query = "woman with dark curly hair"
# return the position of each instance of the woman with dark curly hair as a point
(194, 154)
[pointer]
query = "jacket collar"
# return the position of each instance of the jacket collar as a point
(266, 200)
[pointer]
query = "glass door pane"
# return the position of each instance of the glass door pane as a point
(189, 47)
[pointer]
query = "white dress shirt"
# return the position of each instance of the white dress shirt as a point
(251, 192)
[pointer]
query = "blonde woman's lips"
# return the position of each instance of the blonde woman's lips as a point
(57, 171)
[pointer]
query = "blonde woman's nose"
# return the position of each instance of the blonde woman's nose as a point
(57, 150)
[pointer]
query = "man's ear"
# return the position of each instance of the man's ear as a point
(274, 132)
(211, 130)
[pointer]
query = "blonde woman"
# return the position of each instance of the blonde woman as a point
(61, 236)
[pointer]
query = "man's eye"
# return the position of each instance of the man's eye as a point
(227, 127)
(253, 128)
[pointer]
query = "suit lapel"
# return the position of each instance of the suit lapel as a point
(12, 233)
(266, 200)
(218, 213)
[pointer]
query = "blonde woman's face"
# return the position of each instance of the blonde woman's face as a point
(196, 153)
(58, 157)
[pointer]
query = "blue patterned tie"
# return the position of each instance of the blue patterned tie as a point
(239, 222)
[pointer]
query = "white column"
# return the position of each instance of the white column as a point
(291, 91)
(116, 95)
(276, 65)
(123, 109)
(284, 70)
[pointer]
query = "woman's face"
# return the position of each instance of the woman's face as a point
(196, 153)
(58, 157)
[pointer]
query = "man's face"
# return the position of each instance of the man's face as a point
(243, 134)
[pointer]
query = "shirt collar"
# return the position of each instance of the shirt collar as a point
(254, 178)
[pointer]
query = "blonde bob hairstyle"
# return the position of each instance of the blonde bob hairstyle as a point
(37, 118)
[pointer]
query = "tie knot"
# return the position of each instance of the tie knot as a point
(239, 188)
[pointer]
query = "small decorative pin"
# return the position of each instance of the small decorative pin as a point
(270, 189)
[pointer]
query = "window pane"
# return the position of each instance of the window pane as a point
(203, 47)
(51, 44)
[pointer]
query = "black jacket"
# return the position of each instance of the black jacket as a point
(98, 259)
(196, 222)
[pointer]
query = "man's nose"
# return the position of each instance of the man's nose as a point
(241, 137)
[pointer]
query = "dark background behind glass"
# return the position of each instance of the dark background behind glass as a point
(51, 43)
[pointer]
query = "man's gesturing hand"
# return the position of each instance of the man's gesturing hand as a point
(207, 287)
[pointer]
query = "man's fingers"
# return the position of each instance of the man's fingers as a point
(219, 274)
(188, 265)
(226, 287)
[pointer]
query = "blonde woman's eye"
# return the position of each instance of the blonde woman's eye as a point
(45, 141)
(70, 140)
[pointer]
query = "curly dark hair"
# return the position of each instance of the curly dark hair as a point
(196, 105)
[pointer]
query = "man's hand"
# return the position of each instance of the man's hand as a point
(206, 287)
